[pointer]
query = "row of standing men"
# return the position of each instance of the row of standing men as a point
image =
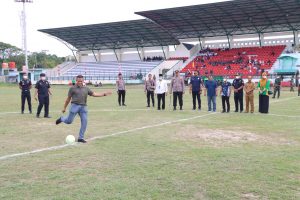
(210, 87)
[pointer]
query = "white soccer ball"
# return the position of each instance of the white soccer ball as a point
(70, 139)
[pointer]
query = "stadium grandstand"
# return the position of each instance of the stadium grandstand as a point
(218, 38)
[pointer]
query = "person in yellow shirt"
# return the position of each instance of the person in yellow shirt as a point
(264, 88)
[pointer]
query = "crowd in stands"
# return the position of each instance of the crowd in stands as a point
(179, 58)
(153, 58)
(248, 60)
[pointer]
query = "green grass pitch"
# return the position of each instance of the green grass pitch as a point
(155, 154)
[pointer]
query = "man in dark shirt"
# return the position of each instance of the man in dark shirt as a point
(42, 95)
(277, 86)
(77, 95)
(225, 94)
(238, 85)
(195, 89)
(211, 92)
(25, 86)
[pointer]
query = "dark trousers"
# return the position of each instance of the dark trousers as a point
(24, 96)
(150, 94)
(225, 100)
(121, 97)
(195, 95)
(161, 98)
(179, 96)
(238, 99)
(276, 89)
(263, 104)
(43, 101)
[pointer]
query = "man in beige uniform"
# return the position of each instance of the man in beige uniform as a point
(120, 84)
(249, 88)
(177, 87)
(149, 90)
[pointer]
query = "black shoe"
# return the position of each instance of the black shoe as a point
(22, 112)
(194, 108)
(174, 108)
(58, 121)
(199, 108)
(119, 104)
(81, 140)
(236, 111)
(158, 108)
(37, 116)
(148, 106)
(228, 111)
(47, 116)
(223, 111)
(180, 108)
(241, 111)
(273, 97)
(123, 104)
(30, 112)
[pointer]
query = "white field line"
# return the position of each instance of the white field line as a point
(101, 137)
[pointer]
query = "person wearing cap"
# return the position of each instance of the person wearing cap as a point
(225, 93)
(42, 93)
(264, 87)
(195, 89)
(25, 86)
(161, 90)
(149, 89)
(121, 90)
(277, 86)
(238, 85)
(211, 91)
(249, 96)
(177, 87)
(77, 95)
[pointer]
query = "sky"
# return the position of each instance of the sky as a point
(43, 14)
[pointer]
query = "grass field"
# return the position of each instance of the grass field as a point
(150, 154)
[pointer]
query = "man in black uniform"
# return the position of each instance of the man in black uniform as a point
(277, 86)
(238, 85)
(42, 91)
(25, 86)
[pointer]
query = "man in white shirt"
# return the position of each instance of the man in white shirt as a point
(161, 90)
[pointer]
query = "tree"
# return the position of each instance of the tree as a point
(10, 53)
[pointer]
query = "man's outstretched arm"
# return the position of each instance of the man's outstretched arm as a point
(95, 94)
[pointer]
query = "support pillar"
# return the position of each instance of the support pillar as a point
(261, 39)
(230, 41)
(296, 38)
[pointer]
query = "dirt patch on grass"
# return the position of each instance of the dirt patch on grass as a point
(250, 196)
(218, 137)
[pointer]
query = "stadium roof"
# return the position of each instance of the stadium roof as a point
(236, 17)
(116, 35)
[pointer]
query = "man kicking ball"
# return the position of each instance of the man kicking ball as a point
(78, 96)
